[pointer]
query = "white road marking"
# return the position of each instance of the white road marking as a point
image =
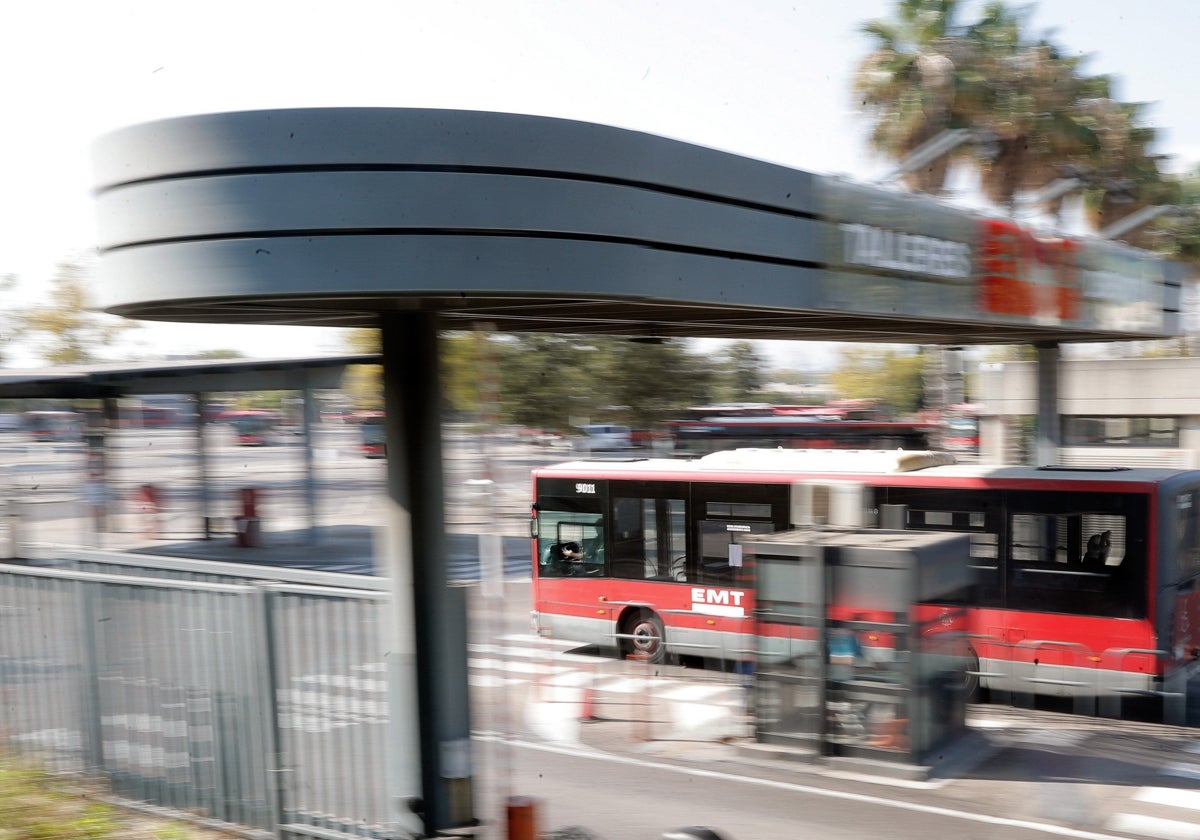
(1170, 796)
(1156, 827)
(791, 787)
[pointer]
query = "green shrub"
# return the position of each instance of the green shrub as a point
(37, 805)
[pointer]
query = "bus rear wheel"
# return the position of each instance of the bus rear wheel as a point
(644, 639)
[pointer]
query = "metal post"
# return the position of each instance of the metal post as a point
(417, 553)
(89, 681)
(1049, 434)
(307, 414)
(266, 694)
(202, 466)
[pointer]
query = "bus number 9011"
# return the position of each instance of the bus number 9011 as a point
(589, 489)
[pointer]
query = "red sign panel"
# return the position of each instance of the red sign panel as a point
(1027, 275)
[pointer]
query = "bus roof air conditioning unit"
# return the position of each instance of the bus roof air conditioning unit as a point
(841, 504)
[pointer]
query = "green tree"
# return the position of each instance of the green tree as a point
(545, 381)
(7, 322)
(907, 85)
(559, 381)
(646, 382)
(68, 329)
(363, 384)
(470, 375)
(887, 374)
(219, 354)
(1043, 117)
(740, 373)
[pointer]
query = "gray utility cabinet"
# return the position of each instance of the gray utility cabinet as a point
(862, 641)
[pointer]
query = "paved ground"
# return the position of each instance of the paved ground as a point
(1121, 776)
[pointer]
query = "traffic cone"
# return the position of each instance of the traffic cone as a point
(587, 714)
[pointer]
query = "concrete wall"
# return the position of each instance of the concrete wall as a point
(1157, 387)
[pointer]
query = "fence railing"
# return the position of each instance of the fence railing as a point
(258, 704)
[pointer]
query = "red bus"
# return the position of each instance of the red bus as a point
(252, 427)
(1085, 580)
(54, 425)
(840, 424)
(373, 434)
(961, 432)
(797, 431)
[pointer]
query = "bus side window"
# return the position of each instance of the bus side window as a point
(1071, 563)
(1187, 509)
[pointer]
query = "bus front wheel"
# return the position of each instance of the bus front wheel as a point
(644, 639)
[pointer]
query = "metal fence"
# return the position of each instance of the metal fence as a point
(262, 705)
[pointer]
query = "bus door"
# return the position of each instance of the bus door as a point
(648, 589)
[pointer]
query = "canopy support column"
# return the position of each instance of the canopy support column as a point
(202, 466)
(307, 418)
(1049, 431)
(429, 617)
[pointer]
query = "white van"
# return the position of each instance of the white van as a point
(600, 437)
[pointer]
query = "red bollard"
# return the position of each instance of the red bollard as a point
(522, 818)
(248, 524)
(249, 502)
(149, 505)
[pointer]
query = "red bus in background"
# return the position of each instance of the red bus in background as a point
(1085, 580)
(841, 424)
(150, 416)
(372, 432)
(960, 431)
(252, 427)
(54, 425)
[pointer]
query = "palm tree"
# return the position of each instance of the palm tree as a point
(907, 84)
(1042, 116)
(1048, 119)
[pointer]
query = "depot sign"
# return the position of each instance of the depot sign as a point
(913, 256)
(882, 248)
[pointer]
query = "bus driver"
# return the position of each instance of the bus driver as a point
(563, 559)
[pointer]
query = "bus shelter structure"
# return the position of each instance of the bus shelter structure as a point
(414, 221)
(201, 380)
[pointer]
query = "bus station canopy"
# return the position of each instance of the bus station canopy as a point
(523, 223)
(184, 377)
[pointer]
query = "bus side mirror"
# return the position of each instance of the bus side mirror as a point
(533, 527)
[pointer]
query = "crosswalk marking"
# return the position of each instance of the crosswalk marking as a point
(1160, 828)
(1156, 827)
(1170, 796)
(558, 681)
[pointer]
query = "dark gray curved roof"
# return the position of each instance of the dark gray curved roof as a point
(330, 216)
(197, 376)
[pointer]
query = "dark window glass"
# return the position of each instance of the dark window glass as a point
(977, 513)
(649, 539)
(1077, 553)
(1121, 431)
(570, 544)
(1187, 509)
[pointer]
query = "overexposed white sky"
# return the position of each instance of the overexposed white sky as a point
(764, 78)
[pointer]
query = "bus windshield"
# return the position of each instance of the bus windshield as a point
(570, 544)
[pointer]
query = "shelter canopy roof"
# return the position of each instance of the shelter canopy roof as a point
(213, 376)
(332, 216)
